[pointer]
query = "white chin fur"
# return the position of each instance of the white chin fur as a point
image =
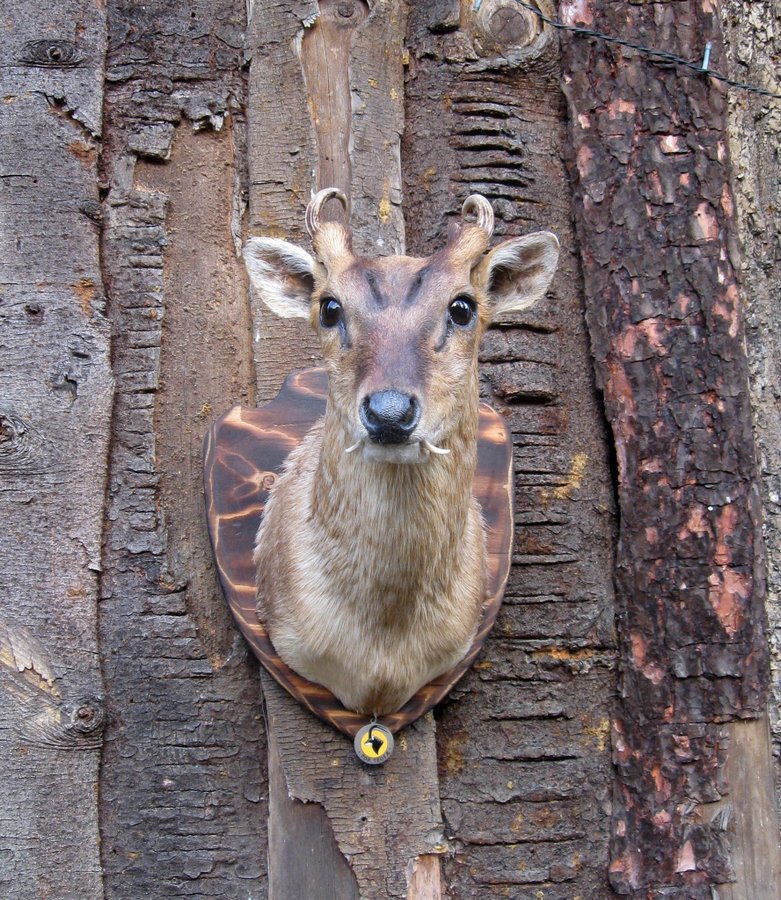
(393, 453)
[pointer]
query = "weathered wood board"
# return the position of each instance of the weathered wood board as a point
(55, 405)
(365, 818)
(524, 748)
(183, 781)
(129, 229)
(753, 41)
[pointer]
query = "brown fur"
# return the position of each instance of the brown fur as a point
(371, 564)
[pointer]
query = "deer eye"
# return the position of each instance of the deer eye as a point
(462, 311)
(330, 312)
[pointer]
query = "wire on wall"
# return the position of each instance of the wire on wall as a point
(702, 67)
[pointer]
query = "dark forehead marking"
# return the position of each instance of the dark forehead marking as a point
(414, 288)
(379, 298)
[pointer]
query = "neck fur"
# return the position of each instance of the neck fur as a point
(405, 522)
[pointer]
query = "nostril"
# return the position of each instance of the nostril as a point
(390, 417)
(411, 414)
(368, 413)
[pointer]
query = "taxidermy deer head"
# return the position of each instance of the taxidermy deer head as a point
(371, 558)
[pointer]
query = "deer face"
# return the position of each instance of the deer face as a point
(400, 335)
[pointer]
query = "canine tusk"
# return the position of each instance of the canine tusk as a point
(439, 451)
(355, 446)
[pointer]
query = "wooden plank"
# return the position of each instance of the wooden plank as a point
(183, 785)
(325, 60)
(750, 815)
(752, 45)
(282, 158)
(425, 880)
(524, 748)
(307, 860)
(380, 820)
(55, 403)
(655, 219)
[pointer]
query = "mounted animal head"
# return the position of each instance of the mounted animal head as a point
(400, 334)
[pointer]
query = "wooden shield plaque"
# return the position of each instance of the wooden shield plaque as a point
(244, 452)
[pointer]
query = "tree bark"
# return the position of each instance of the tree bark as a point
(655, 219)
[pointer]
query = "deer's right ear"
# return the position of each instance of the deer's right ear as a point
(282, 274)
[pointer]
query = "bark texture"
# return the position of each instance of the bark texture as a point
(753, 33)
(655, 219)
(55, 404)
(183, 785)
(524, 745)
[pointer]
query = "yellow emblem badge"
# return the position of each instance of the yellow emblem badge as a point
(373, 744)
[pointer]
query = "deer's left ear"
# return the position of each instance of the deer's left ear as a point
(516, 274)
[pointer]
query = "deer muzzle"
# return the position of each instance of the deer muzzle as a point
(389, 417)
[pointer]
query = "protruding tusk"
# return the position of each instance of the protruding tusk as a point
(313, 210)
(484, 212)
(438, 451)
(355, 446)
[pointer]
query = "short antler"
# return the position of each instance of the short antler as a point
(484, 212)
(313, 210)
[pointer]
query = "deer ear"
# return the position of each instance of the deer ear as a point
(517, 273)
(282, 274)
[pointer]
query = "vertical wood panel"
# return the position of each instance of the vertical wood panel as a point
(381, 820)
(753, 35)
(524, 747)
(55, 401)
(183, 782)
(750, 814)
(282, 163)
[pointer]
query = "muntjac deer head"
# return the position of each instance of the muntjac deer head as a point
(371, 558)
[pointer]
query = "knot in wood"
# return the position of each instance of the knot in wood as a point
(514, 35)
(11, 428)
(86, 716)
(23, 451)
(92, 209)
(345, 10)
(52, 53)
(510, 26)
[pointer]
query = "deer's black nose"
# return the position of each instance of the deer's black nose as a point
(390, 417)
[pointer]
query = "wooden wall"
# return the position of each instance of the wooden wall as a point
(613, 737)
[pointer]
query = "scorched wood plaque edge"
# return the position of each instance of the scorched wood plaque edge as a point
(243, 453)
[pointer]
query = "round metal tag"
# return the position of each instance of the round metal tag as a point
(373, 744)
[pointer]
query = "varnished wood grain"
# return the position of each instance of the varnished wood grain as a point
(244, 451)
